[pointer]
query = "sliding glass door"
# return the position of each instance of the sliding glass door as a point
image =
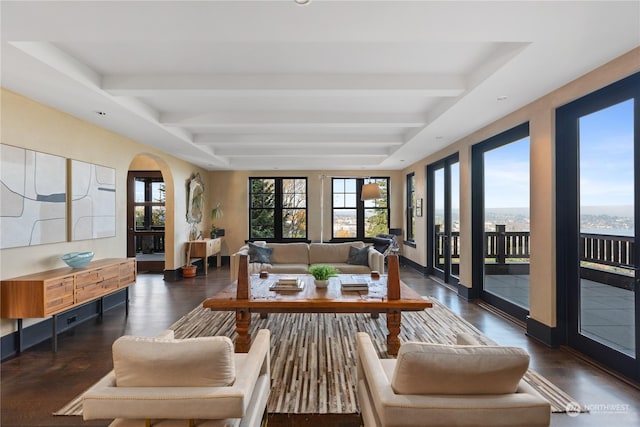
(443, 221)
(598, 149)
(501, 230)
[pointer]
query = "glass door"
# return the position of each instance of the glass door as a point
(598, 139)
(146, 214)
(444, 218)
(501, 220)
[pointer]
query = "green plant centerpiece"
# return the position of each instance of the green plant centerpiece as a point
(321, 273)
(216, 214)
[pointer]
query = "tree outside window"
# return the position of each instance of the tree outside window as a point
(356, 219)
(278, 208)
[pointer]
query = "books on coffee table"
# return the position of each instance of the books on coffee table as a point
(287, 284)
(354, 283)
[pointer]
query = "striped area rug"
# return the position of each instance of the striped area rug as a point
(313, 356)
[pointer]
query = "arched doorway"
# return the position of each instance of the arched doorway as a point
(150, 221)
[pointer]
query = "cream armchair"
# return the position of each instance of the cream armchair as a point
(447, 385)
(164, 382)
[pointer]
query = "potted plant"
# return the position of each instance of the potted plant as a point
(216, 214)
(188, 269)
(321, 273)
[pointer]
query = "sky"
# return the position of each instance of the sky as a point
(606, 163)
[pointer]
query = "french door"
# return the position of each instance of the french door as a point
(443, 217)
(598, 165)
(501, 233)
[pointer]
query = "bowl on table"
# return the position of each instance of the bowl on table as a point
(77, 259)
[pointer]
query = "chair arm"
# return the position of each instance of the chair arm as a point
(257, 363)
(376, 260)
(234, 260)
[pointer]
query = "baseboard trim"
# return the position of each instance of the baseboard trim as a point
(547, 335)
(468, 294)
(420, 269)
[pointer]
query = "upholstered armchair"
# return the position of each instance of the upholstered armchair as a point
(447, 385)
(166, 382)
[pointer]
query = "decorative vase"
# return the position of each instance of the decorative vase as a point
(189, 271)
(321, 283)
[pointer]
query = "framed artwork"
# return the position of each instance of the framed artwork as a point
(93, 201)
(195, 200)
(33, 205)
(418, 207)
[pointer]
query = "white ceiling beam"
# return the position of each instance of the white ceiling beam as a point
(62, 62)
(317, 151)
(307, 162)
(289, 139)
(291, 119)
(430, 85)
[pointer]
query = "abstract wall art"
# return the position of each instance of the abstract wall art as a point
(33, 199)
(93, 201)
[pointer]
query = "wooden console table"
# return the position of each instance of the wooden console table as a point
(52, 292)
(204, 249)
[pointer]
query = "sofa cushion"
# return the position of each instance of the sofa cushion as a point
(345, 268)
(329, 253)
(289, 253)
(424, 368)
(289, 269)
(192, 362)
(259, 254)
(358, 256)
(464, 338)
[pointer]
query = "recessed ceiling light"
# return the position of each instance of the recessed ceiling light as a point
(502, 98)
(302, 2)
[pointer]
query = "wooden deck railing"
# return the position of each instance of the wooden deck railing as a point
(501, 245)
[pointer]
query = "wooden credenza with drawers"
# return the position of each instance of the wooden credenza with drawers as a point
(51, 292)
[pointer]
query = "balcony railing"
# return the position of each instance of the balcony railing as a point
(148, 242)
(504, 247)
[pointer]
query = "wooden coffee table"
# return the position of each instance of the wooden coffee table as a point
(258, 298)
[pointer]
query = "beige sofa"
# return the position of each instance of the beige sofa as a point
(447, 385)
(296, 258)
(173, 381)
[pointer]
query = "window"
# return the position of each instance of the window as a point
(278, 208)
(149, 203)
(411, 206)
(353, 218)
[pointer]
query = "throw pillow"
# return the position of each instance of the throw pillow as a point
(358, 256)
(259, 254)
(191, 362)
(458, 369)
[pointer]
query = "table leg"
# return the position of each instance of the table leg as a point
(243, 340)
(393, 325)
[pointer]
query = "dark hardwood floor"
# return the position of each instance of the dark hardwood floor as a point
(38, 382)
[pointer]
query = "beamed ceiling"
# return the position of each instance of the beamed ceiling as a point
(254, 85)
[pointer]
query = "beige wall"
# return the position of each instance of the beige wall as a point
(230, 188)
(29, 124)
(541, 117)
